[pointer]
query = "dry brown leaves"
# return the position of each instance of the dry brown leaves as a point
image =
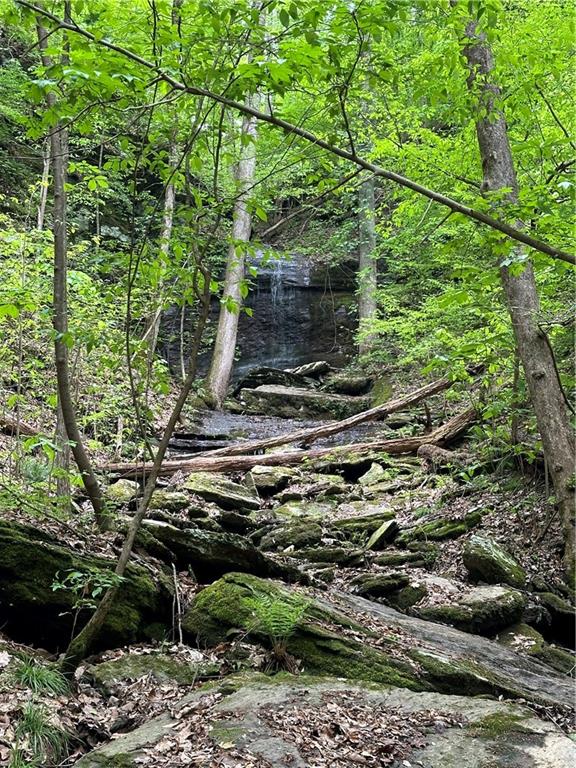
(347, 730)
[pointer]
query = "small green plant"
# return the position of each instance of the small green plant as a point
(88, 585)
(38, 737)
(40, 678)
(277, 618)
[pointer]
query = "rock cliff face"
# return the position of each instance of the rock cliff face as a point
(301, 312)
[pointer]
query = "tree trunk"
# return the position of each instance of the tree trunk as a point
(225, 344)
(43, 187)
(80, 645)
(522, 295)
(367, 266)
(59, 157)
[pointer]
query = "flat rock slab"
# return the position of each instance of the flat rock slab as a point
(296, 402)
(222, 491)
(503, 668)
(307, 722)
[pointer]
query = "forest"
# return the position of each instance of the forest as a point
(287, 383)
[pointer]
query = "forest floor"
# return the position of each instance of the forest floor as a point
(95, 711)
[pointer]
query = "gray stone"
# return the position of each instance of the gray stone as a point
(384, 535)
(172, 501)
(482, 733)
(270, 479)
(296, 402)
(375, 474)
(219, 489)
(122, 491)
(487, 561)
(210, 554)
(483, 610)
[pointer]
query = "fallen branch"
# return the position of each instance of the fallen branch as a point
(307, 436)
(441, 436)
(13, 427)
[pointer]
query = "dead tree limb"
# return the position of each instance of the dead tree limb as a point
(441, 436)
(307, 436)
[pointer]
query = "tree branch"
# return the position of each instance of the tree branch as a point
(377, 170)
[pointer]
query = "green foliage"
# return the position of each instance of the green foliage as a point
(88, 585)
(39, 678)
(39, 741)
(277, 617)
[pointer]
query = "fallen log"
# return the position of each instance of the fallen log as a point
(13, 427)
(444, 434)
(307, 436)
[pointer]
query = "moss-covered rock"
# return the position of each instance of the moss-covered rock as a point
(383, 535)
(443, 528)
(380, 586)
(559, 624)
(525, 639)
(171, 501)
(393, 559)
(482, 610)
(229, 602)
(297, 535)
(267, 480)
(296, 402)
(219, 489)
(347, 383)
(343, 556)
(122, 491)
(375, 474)
(359, 528)
(487, 561)
(316, 486)
(306, 508)
(210, 555)
(32, 611)
(162, 667)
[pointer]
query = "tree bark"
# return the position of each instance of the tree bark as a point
(225, 344)
(367, 264)
(521, 293)
(59, 155)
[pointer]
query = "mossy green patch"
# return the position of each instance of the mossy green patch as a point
(499, 724)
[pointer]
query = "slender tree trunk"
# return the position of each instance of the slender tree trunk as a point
(522, 295)
(59, 151)
(367, 264)
(43, 187)
(225, 344)
(80, 645)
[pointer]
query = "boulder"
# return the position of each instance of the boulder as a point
(343, 556)
(171, 501)
(318, 486)
(383, 535)
(361, 527)
(255, 720)
(347, 383)
(557, 621)
(297, 535)
(219, 489)
(32, 611)
(122, 491)
(210, 554)
(312, 370)
(303, 509)
(380, 586)
(442, 528)
(267, 480)
(525, 639)
(296, 402)
(162, 667)
(274, 376)
(482, 610)
(401, 557)
(358, 639)
(375, 474)
(487, 561)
